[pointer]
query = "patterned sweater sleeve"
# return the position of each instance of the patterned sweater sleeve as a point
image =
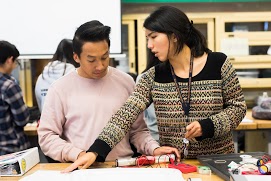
(234, 109)
(120, 123)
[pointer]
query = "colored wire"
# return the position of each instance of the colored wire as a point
(169, 158)
(235, 171)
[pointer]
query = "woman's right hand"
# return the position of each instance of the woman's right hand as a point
(85, 161)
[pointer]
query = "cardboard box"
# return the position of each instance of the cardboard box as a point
(18, 163)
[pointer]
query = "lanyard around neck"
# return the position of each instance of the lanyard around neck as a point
(185, 105)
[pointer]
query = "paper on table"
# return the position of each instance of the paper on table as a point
(120, 174)
(246, 120)
(250, 177)
(258, 177)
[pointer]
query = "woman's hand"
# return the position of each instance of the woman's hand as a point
(163, 150)
(193, 130)
(81, 154)
(84, 160)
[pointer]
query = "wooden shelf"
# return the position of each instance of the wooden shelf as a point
(251, 61)
(260, 83)
(256, 36)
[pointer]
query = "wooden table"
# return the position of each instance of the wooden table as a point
(243, 126)
(264, 125)
(257, 124)
(261, 124)
(31, 129)
(61, 166)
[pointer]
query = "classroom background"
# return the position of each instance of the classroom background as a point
(241, 29)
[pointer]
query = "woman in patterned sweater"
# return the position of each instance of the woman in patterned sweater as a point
(196, 93)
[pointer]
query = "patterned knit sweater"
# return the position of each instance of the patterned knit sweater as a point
(217, 102)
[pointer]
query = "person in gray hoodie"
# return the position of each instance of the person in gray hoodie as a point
(61, 64)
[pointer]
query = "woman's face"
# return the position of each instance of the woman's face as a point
(158, 43)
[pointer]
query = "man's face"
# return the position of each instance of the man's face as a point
(94, 60)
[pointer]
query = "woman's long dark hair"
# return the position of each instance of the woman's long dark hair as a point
(170, 20)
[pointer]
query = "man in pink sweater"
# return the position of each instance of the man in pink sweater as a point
(79, 104)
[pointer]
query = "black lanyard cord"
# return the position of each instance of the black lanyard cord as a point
(185, 105)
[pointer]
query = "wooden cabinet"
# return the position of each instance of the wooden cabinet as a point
(28, 73)
(138, 46)
(24, 78)
(128, 42)
(205, 23)
(256, 28)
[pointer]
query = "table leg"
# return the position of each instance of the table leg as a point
(268, 134)
(235, 140)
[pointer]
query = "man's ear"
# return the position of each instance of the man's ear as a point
(76, 58)
(9, 60)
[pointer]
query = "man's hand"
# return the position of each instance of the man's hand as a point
(193, 130)
(84, 160)
(163, 150)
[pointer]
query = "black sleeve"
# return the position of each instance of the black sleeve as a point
(207, 127)
(101, 148)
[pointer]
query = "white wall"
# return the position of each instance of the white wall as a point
(36, 27)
